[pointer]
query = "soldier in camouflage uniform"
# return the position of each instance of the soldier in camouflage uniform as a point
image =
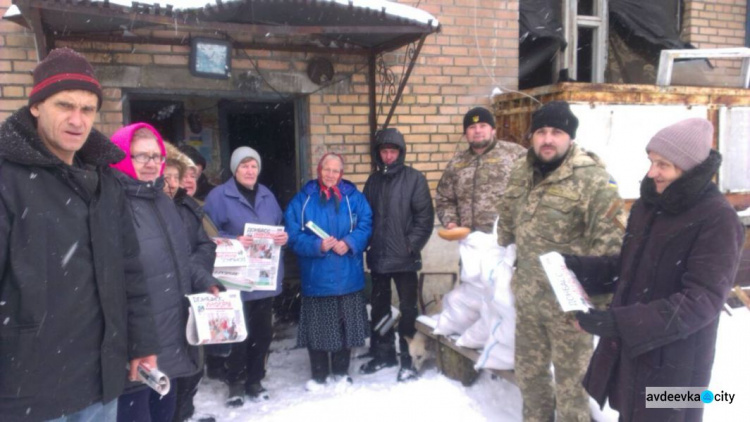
(475, 179)
(560, 198)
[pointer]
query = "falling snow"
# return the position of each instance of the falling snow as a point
(69, 254)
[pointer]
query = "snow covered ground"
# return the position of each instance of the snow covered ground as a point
(378, 397)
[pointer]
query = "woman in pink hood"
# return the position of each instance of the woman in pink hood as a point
(170, 274)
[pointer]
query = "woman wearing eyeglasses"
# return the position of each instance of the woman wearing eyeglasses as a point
(169, 272)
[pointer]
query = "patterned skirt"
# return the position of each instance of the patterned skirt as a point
(332, 323)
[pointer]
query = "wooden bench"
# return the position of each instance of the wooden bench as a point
(457, 362)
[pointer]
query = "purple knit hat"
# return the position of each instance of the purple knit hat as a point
(62, 70)
(686, 143)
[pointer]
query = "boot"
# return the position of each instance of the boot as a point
(257, 392)
(319, 365)
(340, 362)
(382, 359)
(236, 395)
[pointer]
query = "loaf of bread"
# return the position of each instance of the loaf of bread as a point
(456, 233)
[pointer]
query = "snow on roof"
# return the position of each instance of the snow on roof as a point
(390, 8)
(12, 11)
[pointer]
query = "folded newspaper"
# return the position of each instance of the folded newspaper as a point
(154, 378)
(317, 230)
(215, 319)
(568, 290)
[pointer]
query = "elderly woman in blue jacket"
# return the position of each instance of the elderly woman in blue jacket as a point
(333, 318)
(242, 200)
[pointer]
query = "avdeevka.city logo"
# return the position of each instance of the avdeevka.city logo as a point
(685, 397)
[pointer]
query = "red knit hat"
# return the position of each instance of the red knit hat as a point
(62, 70)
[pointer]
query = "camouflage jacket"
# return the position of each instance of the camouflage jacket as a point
(575, 210)
(472, 185)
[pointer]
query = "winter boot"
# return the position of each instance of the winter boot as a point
(236, 396)
(319, 365)
(380, 361)
(340, 362)
(201, 417)
(406, 374)
(257, 392)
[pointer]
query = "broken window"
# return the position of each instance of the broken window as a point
(616, 41)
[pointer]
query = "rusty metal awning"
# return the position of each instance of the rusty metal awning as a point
(336, 26)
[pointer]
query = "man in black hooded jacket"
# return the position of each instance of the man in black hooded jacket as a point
(402, 221)
(73, 301)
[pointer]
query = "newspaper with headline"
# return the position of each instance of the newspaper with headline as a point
(569, 292)
(254, 268)
(215, 319)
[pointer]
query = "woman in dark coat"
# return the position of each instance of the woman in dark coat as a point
(674, 272)
(202, 252)
(170, 274)
(332, 317)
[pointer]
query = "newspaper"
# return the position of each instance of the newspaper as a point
(229, 253)
(568, 290)
(258, 269)
(154, 378)
(317, 230)
(215, 319)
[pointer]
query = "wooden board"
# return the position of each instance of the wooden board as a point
(457, 362)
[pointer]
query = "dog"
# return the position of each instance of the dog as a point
(421, 350)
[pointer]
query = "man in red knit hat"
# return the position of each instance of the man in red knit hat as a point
(73, 300)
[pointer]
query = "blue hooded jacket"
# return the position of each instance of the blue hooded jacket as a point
(328, 273)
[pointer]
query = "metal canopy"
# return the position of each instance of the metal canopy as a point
(355, 27)
(290, 25)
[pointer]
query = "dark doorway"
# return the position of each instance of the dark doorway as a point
(269, 128)
(167, 117)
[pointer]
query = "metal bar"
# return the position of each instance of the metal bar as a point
(402, 85)
(44, 43)
(358, 51)
(667, 57)
(372, 100)
(664, 73)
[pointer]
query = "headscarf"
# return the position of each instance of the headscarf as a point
(124, 137)
(325, 191)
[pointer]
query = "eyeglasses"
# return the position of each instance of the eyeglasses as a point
(144, 158)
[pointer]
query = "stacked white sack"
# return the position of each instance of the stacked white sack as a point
(499, 348)
(462, 306)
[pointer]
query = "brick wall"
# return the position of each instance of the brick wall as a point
(716, 24)
(456, 70)
(17, 56)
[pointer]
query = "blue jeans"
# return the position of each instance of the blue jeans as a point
(146, 405)
(97, 412)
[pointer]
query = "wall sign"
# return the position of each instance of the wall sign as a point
(210, 58)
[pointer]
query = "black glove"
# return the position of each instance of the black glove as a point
(572, 262)
(598, 323)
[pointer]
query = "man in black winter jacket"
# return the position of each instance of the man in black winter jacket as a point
(402, 221)
(73, 301)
